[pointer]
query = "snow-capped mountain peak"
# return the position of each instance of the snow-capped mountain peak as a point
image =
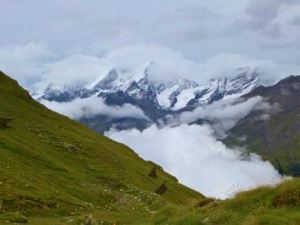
(174, 94)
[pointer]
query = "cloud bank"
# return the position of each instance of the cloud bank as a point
(194, 156)
(93, 106)
(35, 71)
(197, 28)
(224, 114)
(227, 110)
(74, 42)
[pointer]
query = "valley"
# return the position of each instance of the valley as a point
(56, 171)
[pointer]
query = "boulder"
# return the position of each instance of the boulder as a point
(153, 172)
(4, 122)
(161, 189)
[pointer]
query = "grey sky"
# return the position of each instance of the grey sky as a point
(38, 33)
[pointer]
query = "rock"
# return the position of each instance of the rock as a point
(89, 220)
(153, 172)
(161, 189)
(203, 202)
(4, 122)
(70, 147)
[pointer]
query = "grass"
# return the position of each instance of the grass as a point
(263, 206)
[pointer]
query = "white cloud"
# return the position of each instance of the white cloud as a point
(198, 29)
(224, 114)
(71, 71)
(271, 22)
(194, 156)
(37, 66)
(227, 65)
(25, 62)
(166, 64)
(169, 64)
(93, 106)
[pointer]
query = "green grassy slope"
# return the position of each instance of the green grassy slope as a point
(55, 168)
(283, 141)
(263, 206)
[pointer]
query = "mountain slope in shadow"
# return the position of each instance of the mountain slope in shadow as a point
(275, 135)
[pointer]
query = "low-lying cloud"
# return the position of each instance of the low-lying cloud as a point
(227, 109)
(93, 106)
(224, 114)
(198, 160)
(194, 155)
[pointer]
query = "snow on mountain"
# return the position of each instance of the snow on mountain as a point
(156, 98)
(173, 95)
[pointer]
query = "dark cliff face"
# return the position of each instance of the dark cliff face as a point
(276, 134)
(286, 93)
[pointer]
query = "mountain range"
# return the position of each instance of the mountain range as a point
(156, 98)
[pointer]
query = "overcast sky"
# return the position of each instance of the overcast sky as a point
(38, 35)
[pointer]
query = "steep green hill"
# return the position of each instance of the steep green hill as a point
(274, 135)
(54, 170)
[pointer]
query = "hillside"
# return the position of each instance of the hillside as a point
(263, 206)
(275, 135)
(53, 169)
